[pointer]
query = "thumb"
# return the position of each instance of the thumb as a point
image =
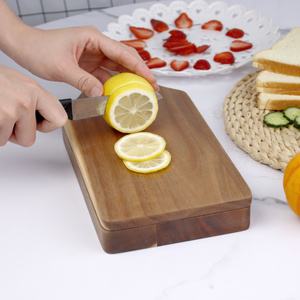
(84, 81)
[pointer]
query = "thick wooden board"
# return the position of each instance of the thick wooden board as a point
(199, 194)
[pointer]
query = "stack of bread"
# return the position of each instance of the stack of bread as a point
(278, 83)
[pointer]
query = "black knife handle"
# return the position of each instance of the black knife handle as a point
(67, 105)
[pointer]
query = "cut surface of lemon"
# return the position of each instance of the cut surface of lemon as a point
(140, 146)
(149, 166)
(131, 108)
(122, 79)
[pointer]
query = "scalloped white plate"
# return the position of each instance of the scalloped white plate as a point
(258, 30)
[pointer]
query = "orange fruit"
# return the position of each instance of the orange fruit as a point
(291, 183)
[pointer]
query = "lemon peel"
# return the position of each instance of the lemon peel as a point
(122, 79)
(140, 146)
(149, 166)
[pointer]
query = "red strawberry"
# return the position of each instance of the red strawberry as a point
(141, 33)
(202, 48)
(145, 55)
(237, 46)
(213, 25)
(235, 33)
(136, 44)
(179, 65)
(177, 34)
(183, 21)
(158, 25)
(174, 39)
(224, 58)
(155, 62)
(175, 42)
(183, 49)
(202, 64)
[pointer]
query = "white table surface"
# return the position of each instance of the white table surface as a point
(49, 248)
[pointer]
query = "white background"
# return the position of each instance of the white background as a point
(50, 250)
(284, 12)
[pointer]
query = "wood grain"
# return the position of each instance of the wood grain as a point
(200, 186)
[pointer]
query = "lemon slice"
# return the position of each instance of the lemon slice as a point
(140, 146)
(122, 79)
(131, 108)
(153, 165)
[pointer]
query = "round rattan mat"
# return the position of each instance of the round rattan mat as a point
(244, 124)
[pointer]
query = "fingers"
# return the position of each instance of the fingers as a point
(52, 110)
(6, 127)
(102, 51)
(83, 81)
(20, 97)
(20, 127)
(24, 131)
(17, 121)
(16, 118)
(128, 58)
(102, 74)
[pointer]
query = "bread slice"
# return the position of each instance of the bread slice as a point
(277, 102)
(283, 57)
(275, 83)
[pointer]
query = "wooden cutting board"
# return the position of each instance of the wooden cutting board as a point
(200, 194)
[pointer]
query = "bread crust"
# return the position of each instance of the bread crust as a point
(279, 82)
(283, 57)
(276, 104)
(276, 67)
(280, 91)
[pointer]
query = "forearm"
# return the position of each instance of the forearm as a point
(12, 31)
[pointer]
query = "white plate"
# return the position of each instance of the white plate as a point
(258, 30)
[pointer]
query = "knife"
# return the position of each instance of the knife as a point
(83, 108)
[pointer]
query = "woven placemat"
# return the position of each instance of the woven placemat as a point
(244, 124)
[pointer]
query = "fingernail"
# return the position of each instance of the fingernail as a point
(96, 92)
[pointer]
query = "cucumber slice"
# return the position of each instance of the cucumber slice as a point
(297, 122)
(291, 113)
(276, 119)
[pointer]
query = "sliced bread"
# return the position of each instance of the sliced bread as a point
(283, 57)
(275, 83)
(277, 102)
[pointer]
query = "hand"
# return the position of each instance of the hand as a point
(78, 56)
(20, 97)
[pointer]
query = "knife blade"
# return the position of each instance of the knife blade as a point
(83, 108)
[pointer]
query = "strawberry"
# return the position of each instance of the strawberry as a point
(235, 33)
(183, 21)
(183, 49)
(202, 64)
(158, 25)
(179, 65)
(224, 58)
(178, 34)
(202, 48)
(237, 46)
(174, 42)
(145, 55)
(155, 62)
(141, 33)
(174, 39)
(136, 44)
(213, 25)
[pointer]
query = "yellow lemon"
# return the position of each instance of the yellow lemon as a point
(140, 146)
(121, 79)
(153, 165)
(131, 107)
